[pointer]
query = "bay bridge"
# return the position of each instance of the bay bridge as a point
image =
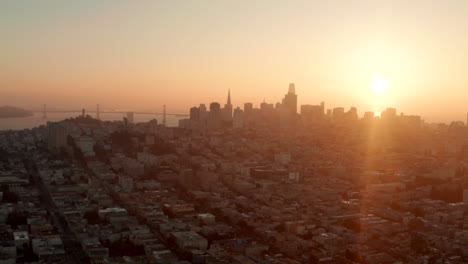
(44, 111)
(110, 112)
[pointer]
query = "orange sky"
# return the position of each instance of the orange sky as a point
(182, 53)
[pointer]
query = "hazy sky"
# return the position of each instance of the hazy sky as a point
(143, 54)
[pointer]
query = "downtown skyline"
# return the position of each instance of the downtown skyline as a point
(153, 53)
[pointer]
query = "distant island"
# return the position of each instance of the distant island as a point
(10, 111)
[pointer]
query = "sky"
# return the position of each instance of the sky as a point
(139, 55)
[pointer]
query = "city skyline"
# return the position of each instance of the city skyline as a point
(146, 55)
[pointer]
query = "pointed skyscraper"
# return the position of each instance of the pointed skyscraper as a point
(227, 111)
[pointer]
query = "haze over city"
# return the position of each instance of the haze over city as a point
(142, 55)
(234, 132)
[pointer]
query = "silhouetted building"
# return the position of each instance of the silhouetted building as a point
(413, 121)
(248, 108)
(389, 114)
(215, 118)
(238, 118)
(369, 116)
(227, 111)
(338, 113)
(290, 99)
(312, 113)
(194, 113)
(351, 115)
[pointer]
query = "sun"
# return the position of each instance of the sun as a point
(379, 84)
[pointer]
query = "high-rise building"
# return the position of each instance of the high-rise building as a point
(368, 116)
(215, 116)
(312, 113)
(466, 119)
(338, 113)
(202, 108)
(290, 99)
(215, 107)
(227, 111)
(389, 114)
(238, 118)
(351, 115)
(57, 138)
(194, 113)
(248, 108)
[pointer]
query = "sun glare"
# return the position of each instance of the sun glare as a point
(379, 85)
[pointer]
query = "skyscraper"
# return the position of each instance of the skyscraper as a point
(238, 118)
(194, 113)
(248, 108)
(215, 117)
(290, 99)
(227, 111)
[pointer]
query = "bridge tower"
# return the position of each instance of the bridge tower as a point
(164, 115)
(44, 111)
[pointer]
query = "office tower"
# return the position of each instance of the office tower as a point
(215, 116)
(215, 107)
(227, 111)
(338, 113)
(290, 99)
(83, 112)
(57, 138)
(238, 118)
(248, 108)
(203, 116)
(368, 116)
(351, 115)
(389, 114)
(202, 108)
(130, 117)
(466, 119)
(412, 121)
(266, 107)
(329, 113)
(194, 113)
(322, 105)
(312, 113)
(97, 112)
